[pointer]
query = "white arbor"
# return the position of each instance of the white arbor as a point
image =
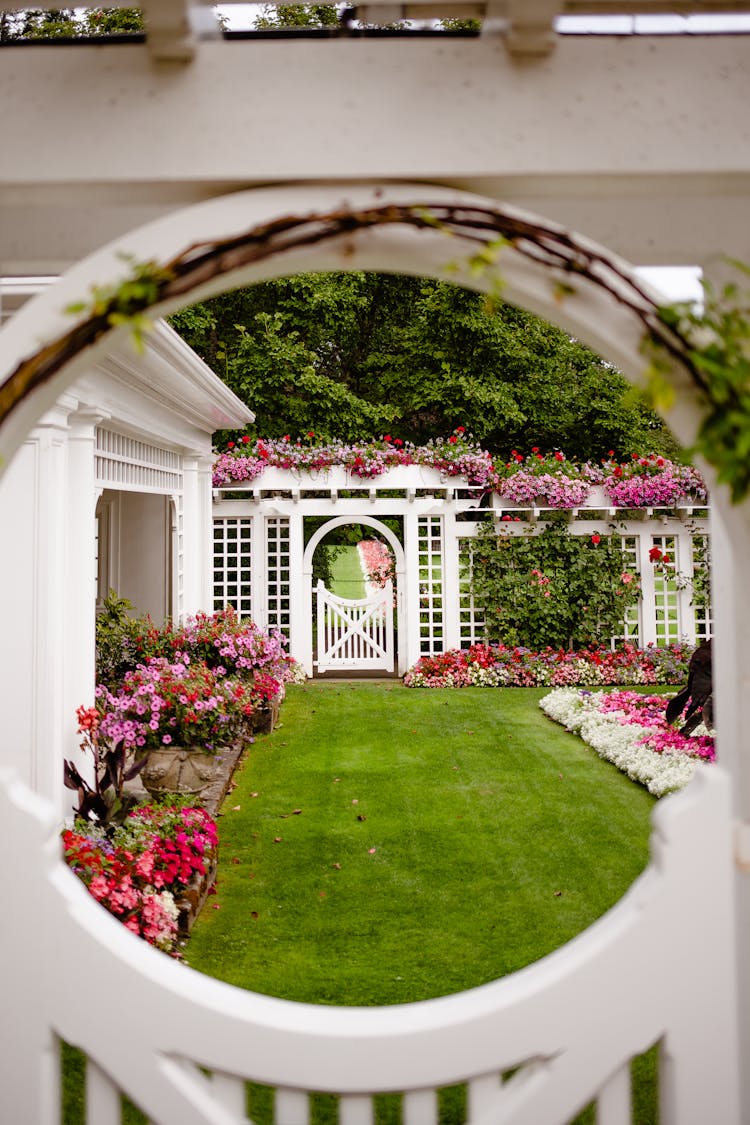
(263, 565)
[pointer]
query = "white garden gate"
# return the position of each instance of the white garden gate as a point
(355, 633)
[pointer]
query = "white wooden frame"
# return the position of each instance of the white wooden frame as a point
(552, 1012)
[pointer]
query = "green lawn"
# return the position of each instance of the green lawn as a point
(348, 580)
(388, 845)
(497, 836)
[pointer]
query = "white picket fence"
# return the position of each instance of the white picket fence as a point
(658, 968)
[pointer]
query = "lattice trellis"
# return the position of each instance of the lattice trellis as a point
(470, 615)
(666, 593)
(278, 574)
(632, 622)
(701, 604)
(431, 604)
(233, 564)
(132, 464)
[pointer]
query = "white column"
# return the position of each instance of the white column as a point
(451, 630)
(730, 565)
(193, 540)
(648, 596)
(411, 551)
(79, 595)
(205, 504)
(300, 608)
(33, 579)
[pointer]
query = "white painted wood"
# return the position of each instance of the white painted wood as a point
(623, 966)
(356, 1110)
(484, 1096)
(230, 1093)
(614, 1103)
(291, 1107)
(420, 1107)
(355, 633)
(103, 1106)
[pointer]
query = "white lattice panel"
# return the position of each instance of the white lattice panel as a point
(666, 593)
(278, 574)
(233, 564)
(470, 615)
(631, 626)
(431, 606)
(701, 607)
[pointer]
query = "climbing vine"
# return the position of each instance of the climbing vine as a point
(553, 588)
(712, 347)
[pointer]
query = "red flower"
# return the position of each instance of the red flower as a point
(654, 554)
(596, 539)
(230, 445)
(245, 440)
(535, 449)
(460, 430)
(311, 433)
(452, 440)
(285, 437)
(397, 441)
(559, 456)
(386, 437)
(611, 453)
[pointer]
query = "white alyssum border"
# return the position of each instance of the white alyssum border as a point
(617, 742)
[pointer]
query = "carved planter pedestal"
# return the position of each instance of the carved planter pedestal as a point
(177, 769)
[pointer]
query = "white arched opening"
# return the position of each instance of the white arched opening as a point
(546, 1020)
(307, 573)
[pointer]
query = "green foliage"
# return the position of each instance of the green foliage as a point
(69, 23)
(551, 588)
(273, 18)
(117, 636)
(716, 344)
(356, 354)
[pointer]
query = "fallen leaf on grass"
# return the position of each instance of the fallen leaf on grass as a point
(235, 859)
(361, 817)
(337, 866)
(558, 894)
(277, 839)
(322, 894)
(286, 815)
(253, 913)
(216, 906)
(252, 795)
(372, 851)
(236, 808)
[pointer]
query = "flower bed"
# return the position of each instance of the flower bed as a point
(634, 482)
(151, 872)
(631, 731)
(502, 666)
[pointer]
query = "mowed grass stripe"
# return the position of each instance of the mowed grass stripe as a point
(497, 837)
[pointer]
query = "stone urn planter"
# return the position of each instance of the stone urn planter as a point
(177, 769)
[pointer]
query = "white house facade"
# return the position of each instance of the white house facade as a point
(110, 491)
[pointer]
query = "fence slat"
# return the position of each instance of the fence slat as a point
(102, 1097)
(483, 1094)
(613, 1106)
(420, 1107)
(230, 1092)
(292, 1107)
(356, 1109)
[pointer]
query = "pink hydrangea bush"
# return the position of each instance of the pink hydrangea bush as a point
(499, 665)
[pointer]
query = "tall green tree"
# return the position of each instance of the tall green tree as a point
(353, 355)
